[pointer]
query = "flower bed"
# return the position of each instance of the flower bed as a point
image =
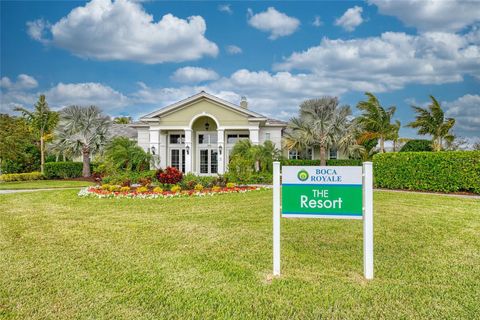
(98, 192)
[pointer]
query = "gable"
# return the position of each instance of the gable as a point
(182, 116)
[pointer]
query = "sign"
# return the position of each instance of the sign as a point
(322, 192)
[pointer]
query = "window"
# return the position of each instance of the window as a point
(333, 153)
(267, 136)
(233, 138)
(177, 139)
(208, 138)
(295, 155)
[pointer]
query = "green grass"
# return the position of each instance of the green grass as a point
(40, 184)
(64, 257)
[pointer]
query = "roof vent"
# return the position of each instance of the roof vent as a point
(243, 102)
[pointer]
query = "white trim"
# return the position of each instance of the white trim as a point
(203, 114)
(199, 95)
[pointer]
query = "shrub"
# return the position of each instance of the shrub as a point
(142, 189)
(330, 162)
(216, 188)
(230, 185)
(64, 170)
(157, 190)
(114, 188)
(417, 145)
(176, 189)
(198, 187)
(125, 189)
(428, 171)
(21, 176)
(105, 186)
(145, 181)
(170, 175)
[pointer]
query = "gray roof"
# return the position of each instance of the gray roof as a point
(122, 130)
(271, 121)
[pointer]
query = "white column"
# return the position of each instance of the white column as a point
(188, 151)
(162, 152)
(154, 146)
(368, 220)
(221, 151)
(254, 137)
(276, 218)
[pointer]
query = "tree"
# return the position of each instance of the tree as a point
(476, 145)
(18, 151)
(82, 131)
(43, 121)
(122, 120)
(125, 155)
(324, 124)
(417, 145)
(431, 121)
(256, 157)
(376, 121)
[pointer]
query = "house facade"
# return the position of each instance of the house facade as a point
(197, 134)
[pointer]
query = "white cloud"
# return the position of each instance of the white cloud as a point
(225, 8)
(317, 22)
(275, 22)
(431, 15)
(390, 61)
(193, 74)
(122, 30)
(233, 49)
(466, 111)
(24, 81)
(351, 19)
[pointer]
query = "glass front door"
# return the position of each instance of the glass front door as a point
(208, 161)
(177, 159)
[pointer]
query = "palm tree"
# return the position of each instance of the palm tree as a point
(376, 121)
(124, 154)
(122, 120)
(43, 121)
(82, 131)
(324, 124)
(431, 120)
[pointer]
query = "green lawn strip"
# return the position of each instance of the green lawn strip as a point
(210, 257)
(43, 184)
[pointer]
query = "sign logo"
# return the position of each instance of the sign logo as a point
(302, 175)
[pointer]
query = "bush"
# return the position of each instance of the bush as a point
(230, 185)
(176, 189)
(330, 162)
(417, 145)
(21, 176)
(64, 170)
(216, 188)
(170, 175)
(125, 189)
(190, 180)
(157, 190)
(198, 187)
(428, 171)
(142, 189)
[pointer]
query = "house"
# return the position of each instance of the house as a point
(198, 134)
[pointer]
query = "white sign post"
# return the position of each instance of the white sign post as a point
(324, 192)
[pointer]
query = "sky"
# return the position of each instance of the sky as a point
(133, 57)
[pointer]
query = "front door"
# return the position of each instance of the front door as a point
(207, 154)
(177, 158)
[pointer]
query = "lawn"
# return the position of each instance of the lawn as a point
(40, 184)
(66, 257)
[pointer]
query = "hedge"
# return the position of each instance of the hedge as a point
(417, 145)
(330, 162)
(21, 176)
(428, 171)
(64, 170)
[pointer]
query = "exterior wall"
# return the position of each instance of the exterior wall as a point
(275, 135)
(143, 138)
(183, 116)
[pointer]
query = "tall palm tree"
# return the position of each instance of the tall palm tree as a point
(122, 120)
(431, 120)
(43, 121)
(376, 121)
(324, 124)
(82, 131)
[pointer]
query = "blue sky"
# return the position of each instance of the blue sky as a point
(130, 58)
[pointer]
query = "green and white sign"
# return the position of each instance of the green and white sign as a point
(322, 192)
